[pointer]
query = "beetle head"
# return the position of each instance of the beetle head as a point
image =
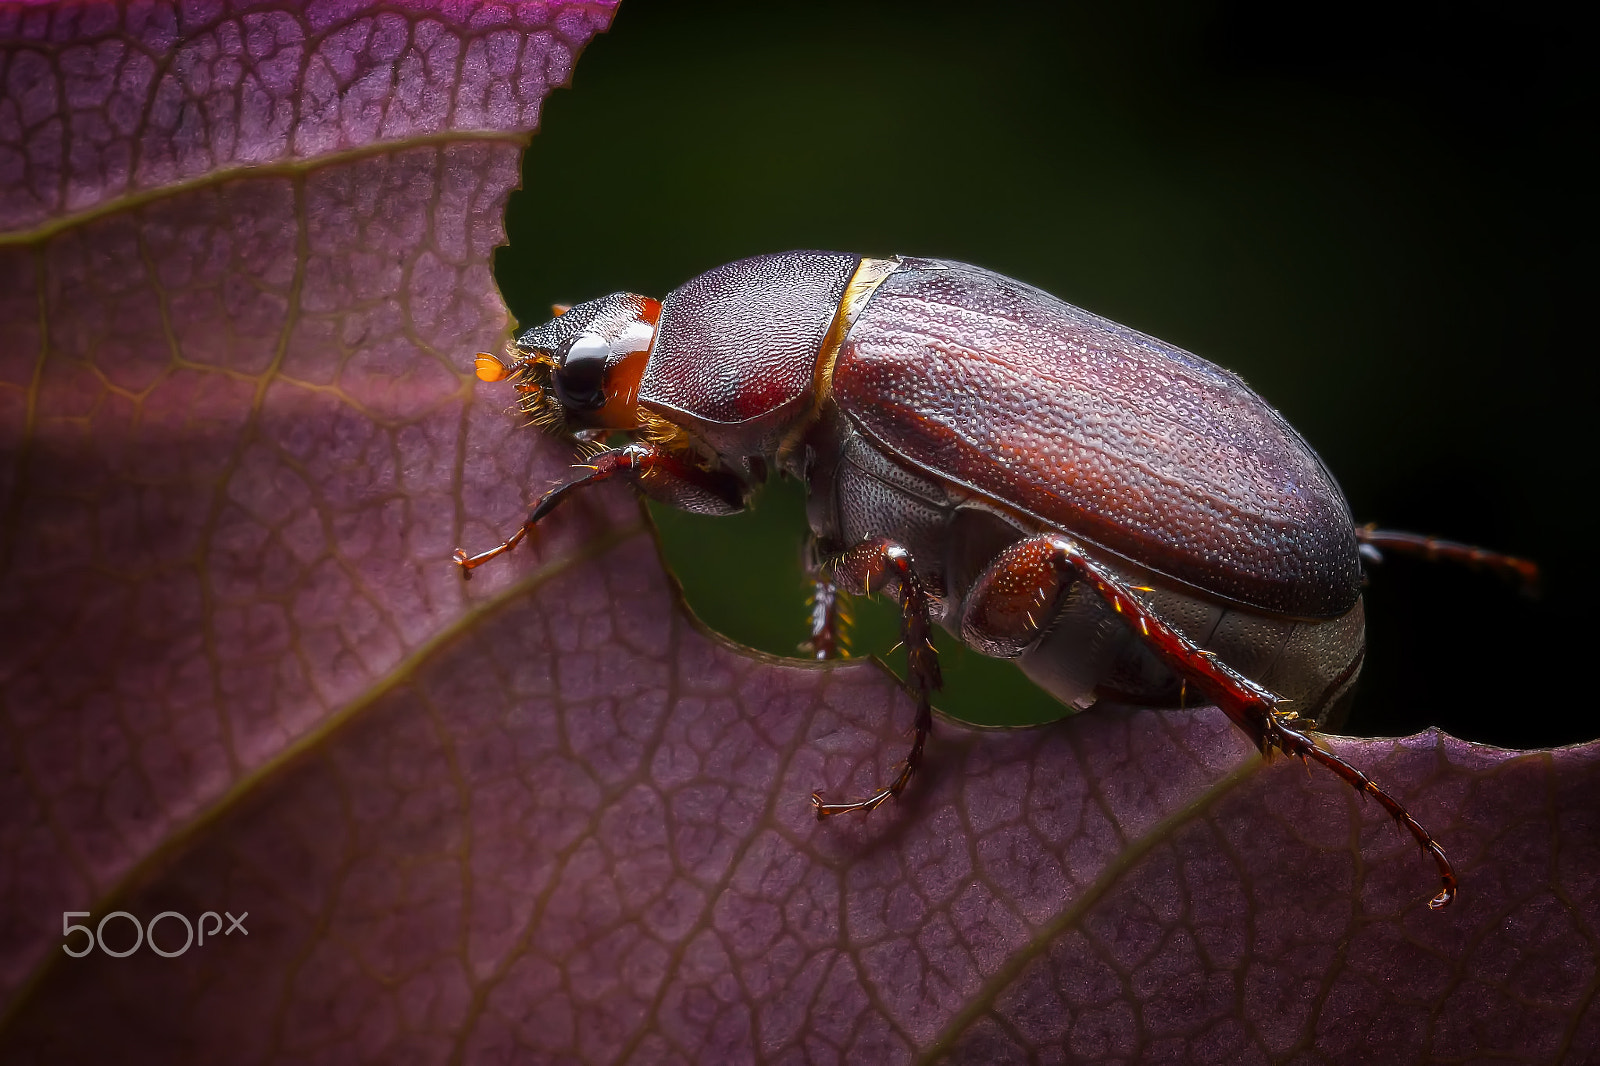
(581, 369)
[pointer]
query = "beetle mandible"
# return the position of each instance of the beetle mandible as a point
(1121, 517)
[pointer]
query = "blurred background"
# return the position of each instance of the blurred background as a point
(1381, 216)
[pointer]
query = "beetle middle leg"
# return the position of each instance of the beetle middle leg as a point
(1018, 591)
(658, 473)
(830, 609)
(886, 566)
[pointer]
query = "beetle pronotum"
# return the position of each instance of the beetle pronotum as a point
(1121, 517)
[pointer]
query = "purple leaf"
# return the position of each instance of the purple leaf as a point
(544, 816)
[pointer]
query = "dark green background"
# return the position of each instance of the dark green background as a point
(1380, 219)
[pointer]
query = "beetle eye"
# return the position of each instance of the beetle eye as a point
(581, 371)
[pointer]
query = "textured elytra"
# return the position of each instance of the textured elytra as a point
(1122, 439)
(543, 817)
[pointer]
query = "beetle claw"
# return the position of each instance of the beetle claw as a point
(824, 810)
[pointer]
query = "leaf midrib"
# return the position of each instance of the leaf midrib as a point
(1125, 860)
(131, 201)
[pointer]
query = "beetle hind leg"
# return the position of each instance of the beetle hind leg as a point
(1374, 542)
(886, 566)
(1251, 707)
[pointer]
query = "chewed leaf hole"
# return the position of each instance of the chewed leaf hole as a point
(744, 576)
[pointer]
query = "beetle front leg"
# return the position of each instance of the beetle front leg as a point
(1028, 564)
(886, 566)
(657, 473)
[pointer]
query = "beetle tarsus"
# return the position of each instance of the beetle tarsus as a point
(888, 565)
(469, 563)
(893, 789)
(1294, 742)
(828, 810)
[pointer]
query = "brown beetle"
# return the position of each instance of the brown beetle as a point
(1122, 518)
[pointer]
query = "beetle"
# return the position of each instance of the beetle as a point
(1122, 518)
